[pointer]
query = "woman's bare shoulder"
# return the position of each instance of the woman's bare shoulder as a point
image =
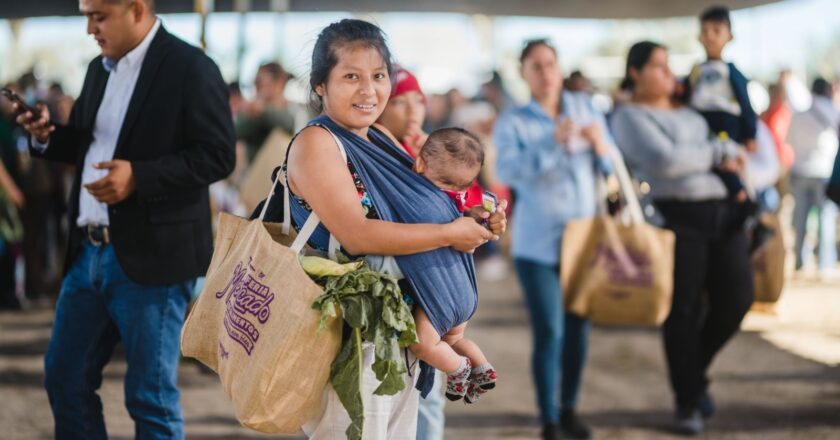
(313, 136)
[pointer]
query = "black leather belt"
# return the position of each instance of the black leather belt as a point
(97, 235)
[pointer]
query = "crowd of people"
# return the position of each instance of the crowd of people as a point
(138, 217)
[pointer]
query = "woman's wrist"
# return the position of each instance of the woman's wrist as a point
(445, 236)
(600, 147)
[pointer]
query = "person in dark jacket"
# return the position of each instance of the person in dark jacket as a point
(150, 131)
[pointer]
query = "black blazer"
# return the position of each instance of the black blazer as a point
(178, 135)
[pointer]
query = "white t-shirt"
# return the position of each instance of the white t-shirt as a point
(713, 91)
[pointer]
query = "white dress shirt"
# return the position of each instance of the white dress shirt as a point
(109, 121)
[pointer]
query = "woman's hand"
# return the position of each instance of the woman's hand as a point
(464, 234)
(564, 130)
(730, 166)
(595, 136)
(734, 164)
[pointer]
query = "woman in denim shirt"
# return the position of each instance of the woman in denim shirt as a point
(550, 152)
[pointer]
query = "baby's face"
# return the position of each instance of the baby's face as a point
(450, 177)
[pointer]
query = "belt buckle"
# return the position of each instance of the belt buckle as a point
(105, 235)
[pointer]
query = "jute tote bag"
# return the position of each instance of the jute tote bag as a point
(254, 325)
(618, 272)
(768, 262)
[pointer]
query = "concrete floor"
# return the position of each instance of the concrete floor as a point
(778, 379)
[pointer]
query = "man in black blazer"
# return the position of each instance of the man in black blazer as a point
(150, 131)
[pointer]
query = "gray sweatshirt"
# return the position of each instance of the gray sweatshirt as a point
(672, 150)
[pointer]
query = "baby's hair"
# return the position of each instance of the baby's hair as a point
(454, 145)
(716, 14)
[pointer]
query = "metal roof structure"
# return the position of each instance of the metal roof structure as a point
(614, 9)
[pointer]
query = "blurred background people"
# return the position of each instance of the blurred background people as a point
(550, 153)
(268, 111)
(671, 147)
(813, 134)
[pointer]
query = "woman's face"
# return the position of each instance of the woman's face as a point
(357, 88)
(542, 73)
(403, 112)
(655, 79)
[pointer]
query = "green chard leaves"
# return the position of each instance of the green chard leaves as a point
(373, 306)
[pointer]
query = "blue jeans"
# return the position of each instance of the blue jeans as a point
(98, 307)
(809, 192)
(560, 339)
(430, 418)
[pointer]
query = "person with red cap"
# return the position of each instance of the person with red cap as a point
(405, 112)
(403, 117)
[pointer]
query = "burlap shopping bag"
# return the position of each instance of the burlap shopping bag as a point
(618, 272)
(768, 263)
(254, 325)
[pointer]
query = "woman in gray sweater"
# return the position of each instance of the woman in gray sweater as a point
(671, 148)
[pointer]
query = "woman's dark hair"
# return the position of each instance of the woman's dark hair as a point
(530, 45)
(335, 36)
(638, 56)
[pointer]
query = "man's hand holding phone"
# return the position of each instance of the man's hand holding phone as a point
(38, 125)
(34, 120)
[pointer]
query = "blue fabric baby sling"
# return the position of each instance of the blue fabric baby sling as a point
(443, 280)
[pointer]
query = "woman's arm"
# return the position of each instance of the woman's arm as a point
(519, 163)
(318, 174)
(651, 148)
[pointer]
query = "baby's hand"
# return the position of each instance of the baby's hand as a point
(496, 221)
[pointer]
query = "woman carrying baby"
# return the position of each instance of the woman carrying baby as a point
(372, 203)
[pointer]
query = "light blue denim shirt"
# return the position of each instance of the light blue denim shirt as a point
(553, 183)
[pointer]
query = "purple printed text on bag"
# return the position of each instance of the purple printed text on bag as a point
(245, 295)
(643, 277)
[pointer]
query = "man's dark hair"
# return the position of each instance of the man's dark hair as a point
(530, 45)
(716, 14)
(149, 3)
(454, 145)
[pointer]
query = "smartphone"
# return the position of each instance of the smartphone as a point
(23, 107)
(489, 202)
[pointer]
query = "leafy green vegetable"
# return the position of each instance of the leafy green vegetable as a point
(373, 306)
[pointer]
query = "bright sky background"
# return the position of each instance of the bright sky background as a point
(453, 50)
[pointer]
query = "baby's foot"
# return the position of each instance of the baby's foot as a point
(457, 381)
(484, 376)
(474, 392)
